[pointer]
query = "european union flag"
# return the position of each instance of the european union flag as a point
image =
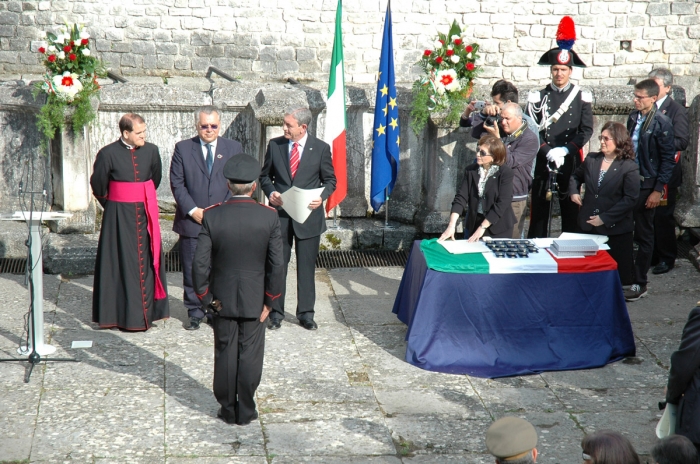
(385, 137)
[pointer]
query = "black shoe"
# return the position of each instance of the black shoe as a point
(274, 324)
(220, 415)
(194, 323)
(255, 416)
(635, 292)
(308, 324)
(662, 268)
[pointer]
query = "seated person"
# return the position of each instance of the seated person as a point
(608, 447)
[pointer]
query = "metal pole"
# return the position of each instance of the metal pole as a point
(386, 210)
(335, 225)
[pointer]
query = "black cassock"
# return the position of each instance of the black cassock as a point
(124, 287)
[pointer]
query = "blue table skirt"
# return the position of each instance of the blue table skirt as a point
(499, 325)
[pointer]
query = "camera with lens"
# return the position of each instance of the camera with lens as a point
(492, 120)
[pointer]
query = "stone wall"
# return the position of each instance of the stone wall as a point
(273, 39)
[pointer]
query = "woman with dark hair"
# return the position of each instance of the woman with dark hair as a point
(608, 447)
(486, 193)
(611, 180)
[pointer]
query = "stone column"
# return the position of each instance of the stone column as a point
(688, 208)
(446, 151)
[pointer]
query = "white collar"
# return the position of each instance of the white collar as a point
(660, 101)
(213, 144)
(302, 141)
(130, 147)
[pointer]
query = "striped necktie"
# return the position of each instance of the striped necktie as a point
(294, 159)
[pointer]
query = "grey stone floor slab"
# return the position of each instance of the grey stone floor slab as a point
(341, 394)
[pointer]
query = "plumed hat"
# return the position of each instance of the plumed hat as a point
(242, 169)
(563, 54)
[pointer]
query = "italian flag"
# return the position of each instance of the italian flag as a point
(336, 122)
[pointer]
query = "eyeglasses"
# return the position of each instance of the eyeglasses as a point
(482, 153)
(586, 457)
(603, 138)
(209, 126)
(641, 97)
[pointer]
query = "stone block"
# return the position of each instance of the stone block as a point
(680, 58)
(181, 37)
(44, 6)
(503, 32)
(604, 59)
(502, 18)
(267, 67)
(627, 33)
(532, 44)
(656, 58)
(143, 48)
(9, 18)
(167, 48)
(112, 60)
(7, 31)
(103, 45)
(201, 13)
(526, 19)
(191, 23)
(659, 9)
(694, 32)
(121, 47)
(683, 8)
(663, 20)
(680, 46)
(131, 61)
(114, 34)
(147, 22)
(182, 64)
(9, 57)
(654, 33)
(211, 24)
(210, 51)
(200, 38)
(630, 70)
(163, 36)
(482, 32)
(150, 62)
(565, 9)
(200, 63)
(139, 33)
(165, 62)
(689, 20)
(241, 52)
(179, 12)
(286, 53)
(635, 57)
(170, 22)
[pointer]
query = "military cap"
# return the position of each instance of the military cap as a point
(563, 53)
(242, 169)
(510, 436)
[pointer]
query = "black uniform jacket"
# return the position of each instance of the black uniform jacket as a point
(684, 379)
(315, 170)
(239, 258)
(498, 194)
(613, 201)
(656, 150)
(681, 135)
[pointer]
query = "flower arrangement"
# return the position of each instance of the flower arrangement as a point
(450, 69)
(70, 80)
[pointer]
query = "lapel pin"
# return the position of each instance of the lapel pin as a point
(219, 156)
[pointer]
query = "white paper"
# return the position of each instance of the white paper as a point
(601, 240)
(81, 344)
(458, 247)
(667, 424)
(295, 202)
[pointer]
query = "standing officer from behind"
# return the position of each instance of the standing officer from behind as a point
(565, 117)
(299, 160)
(197, 182)
(665, 246)
(238, 272)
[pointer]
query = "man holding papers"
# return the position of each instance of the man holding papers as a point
(298, 159)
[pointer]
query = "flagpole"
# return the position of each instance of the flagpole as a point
(335, 225)
(386, 211)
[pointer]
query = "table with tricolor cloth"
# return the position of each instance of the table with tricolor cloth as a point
(494, 317)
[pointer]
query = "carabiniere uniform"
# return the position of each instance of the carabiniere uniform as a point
(571, 130)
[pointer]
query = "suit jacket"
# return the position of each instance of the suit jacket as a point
(315, 170)
(498, 194)
(681, 135)
(613, 201)
(239, 258)
(191, 183)
(684, 379)
(656, 152)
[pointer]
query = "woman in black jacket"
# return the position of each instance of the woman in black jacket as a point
(486, 194)
(611, 180)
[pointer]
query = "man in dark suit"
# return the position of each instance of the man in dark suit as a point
(197, 182)
(665, 246)
(301, 160)
(238, 272)
(652, 136)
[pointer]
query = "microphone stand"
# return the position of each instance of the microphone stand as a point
(552, 191)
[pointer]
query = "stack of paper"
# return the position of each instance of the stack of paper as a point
(577, 247)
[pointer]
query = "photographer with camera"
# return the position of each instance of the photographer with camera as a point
(521, 146)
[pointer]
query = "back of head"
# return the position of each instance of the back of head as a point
(675, 449)
(511, 439)
(650, 86)
(664, 74)
(507, 91)
(608, 447)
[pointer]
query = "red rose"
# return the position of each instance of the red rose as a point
(72, 43)
(72, 57)
(450, 52)
(84, 42)
(468, 49)
(458, 41)
(427, 53)
(438, 60)
(52, 58)
(441, 41)
(470, 66)
(67, 81)
(66, 48)
(42, 50)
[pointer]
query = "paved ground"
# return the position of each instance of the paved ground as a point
(342, 394)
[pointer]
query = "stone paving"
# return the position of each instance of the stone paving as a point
(341, 394)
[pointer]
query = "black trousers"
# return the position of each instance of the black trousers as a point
(306, 252)
(187, 247)
(622, 251)
(539, 209)
(665, 245)
(239, 347)
(644, 236)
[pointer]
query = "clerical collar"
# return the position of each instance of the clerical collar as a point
(130, 147)
(563, 89)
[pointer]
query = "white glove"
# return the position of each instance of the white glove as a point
(557, 156)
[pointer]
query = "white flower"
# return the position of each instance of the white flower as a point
(455, 37)
(67, 84)
(52, 48)
(437, 44)
(42, 34)
(86, 51)
(454, 59)
(62, 55)
(84, 35)
(447, 80)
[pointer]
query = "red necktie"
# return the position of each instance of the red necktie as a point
(294, 159)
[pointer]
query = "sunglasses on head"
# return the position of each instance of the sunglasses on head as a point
(209, 126)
